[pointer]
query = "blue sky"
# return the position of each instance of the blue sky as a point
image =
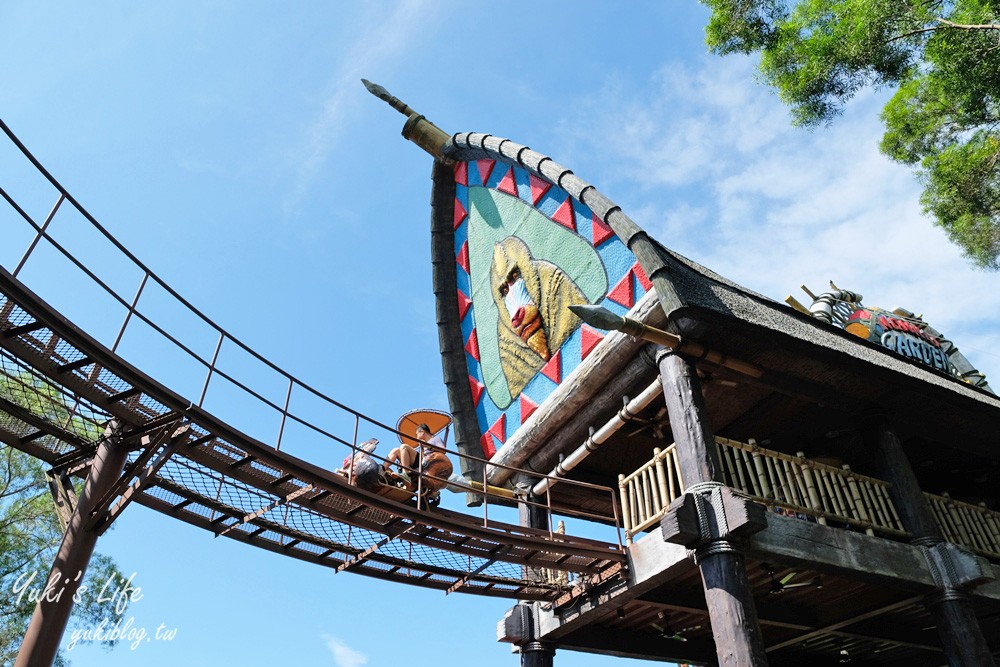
(232, 148)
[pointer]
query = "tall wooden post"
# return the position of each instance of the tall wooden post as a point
(41, 641)
(735, 628)
(537, 654)
(951, 606)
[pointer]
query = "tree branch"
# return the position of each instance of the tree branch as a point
(911, 33)
(946, 24)
(966, 26)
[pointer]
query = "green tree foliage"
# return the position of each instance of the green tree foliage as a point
(942, 57)
(30, 531)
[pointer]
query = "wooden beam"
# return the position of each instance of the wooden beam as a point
(797, 617)
(642, 645)
(799, 543)
(893, 466)
(881, 610)
(693, 602)
(652, 563)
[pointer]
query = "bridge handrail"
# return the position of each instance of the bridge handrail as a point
(105, 356)
(149, 273)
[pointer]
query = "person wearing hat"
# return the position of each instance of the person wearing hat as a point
(431, 455)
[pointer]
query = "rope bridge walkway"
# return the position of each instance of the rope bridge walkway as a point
(62, 391)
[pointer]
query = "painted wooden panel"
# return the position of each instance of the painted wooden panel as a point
(525, 250)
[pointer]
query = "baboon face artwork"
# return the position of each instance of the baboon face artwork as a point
(532, 298)
(525, 250)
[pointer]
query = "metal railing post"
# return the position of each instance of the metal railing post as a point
(618, 522)
(284, 416)
(131, 311)
(354, 451)
(486, 501)
(211, 368)
(38, 235)
(548, 510)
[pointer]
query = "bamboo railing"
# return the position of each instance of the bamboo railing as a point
(973, 526)
(826, 493)
(815, 489)
(795, 483)
(646, 493)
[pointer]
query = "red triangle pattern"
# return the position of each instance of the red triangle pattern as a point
(460, 213)
(499, 429)
(477, 390)
(462, 173)
(463, 257)
(553, 369)
(641, 275)
(507, 183)
(564, 215)
(464, 303)
(528, 408)
(624, 292)
(538, 188)
(486, 442)
(602, 232)
(589, 338)
(485, 169)
(472, 346)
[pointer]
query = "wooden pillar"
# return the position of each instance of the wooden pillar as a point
(951, 607)
(41, 641)
(735, 628)
(534, 515)
(537, 654)
(534, 653)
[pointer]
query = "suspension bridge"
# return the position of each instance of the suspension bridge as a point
(68, 393)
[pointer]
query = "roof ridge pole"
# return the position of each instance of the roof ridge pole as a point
(954, 570)
(41, 641)
(702, 518)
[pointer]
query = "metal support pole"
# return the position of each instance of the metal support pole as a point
(951, 607)
(48, 622)
(728, 595)
(64, 497)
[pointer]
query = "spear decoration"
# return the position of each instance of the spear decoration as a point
(417, 129)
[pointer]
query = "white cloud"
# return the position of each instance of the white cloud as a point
(705, 158)
(382, 36)
(344, 655)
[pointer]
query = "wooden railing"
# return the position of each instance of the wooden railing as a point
(824, 492)
(973, 526)
(808, 487)
(794, 483)
(647, 492)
